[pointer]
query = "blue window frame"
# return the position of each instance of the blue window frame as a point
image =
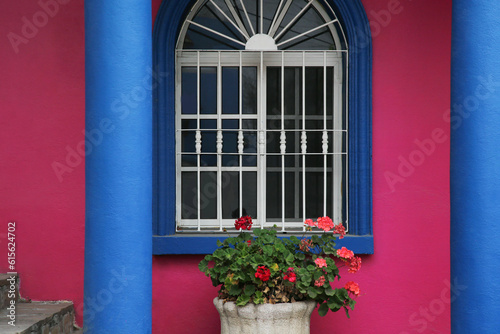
(167, 26)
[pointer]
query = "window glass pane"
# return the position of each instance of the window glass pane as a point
(270, 7)
(293, 91)
(273, 97)
(314, 193)
(230, 90)
(230, 29)
(249, 92)
(250, 194)
(208, 160)
(189, 195)
(252, 10)
(273, 195)
(230, 142)
(249, 142)
(320, 39)
(330, 100)
(208, 193)
(314, 91)
(189, 84)
(293, 141)
(188, 141)
(200, 38)
(230, 195)
(208, 142)
(293, 194)
(189, 160)
(208, 90)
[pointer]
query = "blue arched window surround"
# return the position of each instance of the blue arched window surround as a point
(167, 25)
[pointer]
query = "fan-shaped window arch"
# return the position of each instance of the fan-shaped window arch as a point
(260, 106)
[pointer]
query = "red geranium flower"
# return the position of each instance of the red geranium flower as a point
(354, 265)
(263, 273)
(352, 287)
(339, 229)
(320, 281)
(325, 223)
(244, 223)
(290, 275)
(345, 253)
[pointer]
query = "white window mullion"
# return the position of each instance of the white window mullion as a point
(346, 103)
(304, 139)
(337, 141)
(261, 17)
(219, 142)
(240, 134)
(261, 114)
(178, 157)
(283, 141)
(198, 139)
(296, 159)
(325, 138)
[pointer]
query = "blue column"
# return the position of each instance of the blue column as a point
(475, 167)
(118, 231)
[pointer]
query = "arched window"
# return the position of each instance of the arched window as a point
(261, 110)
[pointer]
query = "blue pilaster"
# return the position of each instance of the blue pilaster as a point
(475, 167)
(118, 245)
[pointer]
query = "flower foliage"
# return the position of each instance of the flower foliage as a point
(261, 268)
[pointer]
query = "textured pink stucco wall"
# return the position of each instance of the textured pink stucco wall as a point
(42, 116)
(405, 284)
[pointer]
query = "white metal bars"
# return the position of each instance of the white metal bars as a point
(335, 149)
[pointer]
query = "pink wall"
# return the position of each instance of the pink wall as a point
(42, 105)
(404, 284)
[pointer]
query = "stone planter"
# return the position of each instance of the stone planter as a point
(288, 318)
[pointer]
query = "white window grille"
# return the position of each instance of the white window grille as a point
(261, 115)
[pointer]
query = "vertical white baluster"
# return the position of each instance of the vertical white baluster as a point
(283, 141)
(240, 142)
(198, 137)
(240, 134)
(325, 142)
(303, 142)
(325, 137)
(304, 139)
(219, 142)
(198, 142)
(262, 146)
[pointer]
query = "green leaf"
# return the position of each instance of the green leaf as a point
(300, 256)
(312, 292)
(352, 302)
(290, 258)
(235, 290)
(329, 291)
(242, 300)
(203, 265)
(268, 250)
(219, 243)
(323, 309)
(249, 290)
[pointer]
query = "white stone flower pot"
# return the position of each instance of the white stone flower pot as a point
(288, 318)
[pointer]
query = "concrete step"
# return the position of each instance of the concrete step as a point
(39, 318)
(9, 287)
